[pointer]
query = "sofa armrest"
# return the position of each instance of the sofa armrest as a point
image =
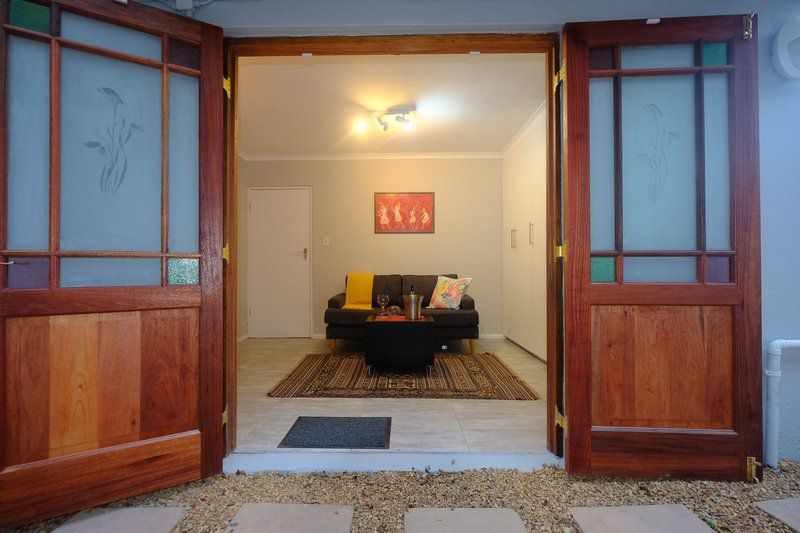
(467, 302)
(336, 302)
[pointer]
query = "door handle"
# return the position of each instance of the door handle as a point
(304, 251)
(7, 263)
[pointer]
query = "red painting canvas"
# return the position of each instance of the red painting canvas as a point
(404, 212)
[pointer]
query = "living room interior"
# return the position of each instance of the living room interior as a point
(400, 168)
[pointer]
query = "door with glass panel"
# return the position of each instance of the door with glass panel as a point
(662, 268)
(110, 237)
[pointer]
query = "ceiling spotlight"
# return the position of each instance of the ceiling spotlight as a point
(382, 123)
(361, 125)
(406, 122)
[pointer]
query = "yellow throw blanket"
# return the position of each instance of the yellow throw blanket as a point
(358, 293)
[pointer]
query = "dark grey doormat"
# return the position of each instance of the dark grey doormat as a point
(339, 432)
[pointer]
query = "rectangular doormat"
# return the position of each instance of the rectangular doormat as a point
(454, 376)
(339, 432)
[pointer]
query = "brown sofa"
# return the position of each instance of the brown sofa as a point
(448, 323)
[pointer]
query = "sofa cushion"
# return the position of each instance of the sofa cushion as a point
(423, 285)
(390, 284)
(346, 317)
(452, 317)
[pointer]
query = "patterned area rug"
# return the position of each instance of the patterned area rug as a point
(455, 376)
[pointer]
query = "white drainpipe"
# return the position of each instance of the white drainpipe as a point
(773, 374)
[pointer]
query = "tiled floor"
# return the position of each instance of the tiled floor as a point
(417, 424)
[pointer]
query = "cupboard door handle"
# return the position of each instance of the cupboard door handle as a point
(7, 263)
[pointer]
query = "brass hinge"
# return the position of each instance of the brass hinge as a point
(225, 416)
(560, 76)
(560, 420)
(226, 86)
(226, 254)
(561, 251)
(747, 26)
(752, 469)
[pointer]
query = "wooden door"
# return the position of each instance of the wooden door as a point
(662, 269)
(110, 237)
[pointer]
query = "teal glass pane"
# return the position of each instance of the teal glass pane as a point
(601, 162)
(718, 182)
(183, 271)
(658, 163)
(715, 54)
(184, 164)
(110, 36)
(658, 56)
(604, 270)
(661, 269)
(109, 272)
(29, 15)
(28, 144)
(110, 154)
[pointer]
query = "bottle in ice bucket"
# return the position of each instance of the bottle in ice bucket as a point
(412, 305)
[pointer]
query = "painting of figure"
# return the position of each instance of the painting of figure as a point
(404, 212)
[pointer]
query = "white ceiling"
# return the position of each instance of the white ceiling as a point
(293, 107)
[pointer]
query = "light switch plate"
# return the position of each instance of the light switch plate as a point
(326, 241)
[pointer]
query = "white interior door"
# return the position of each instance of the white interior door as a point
(279, 262)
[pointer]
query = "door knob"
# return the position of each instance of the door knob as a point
(304, 251)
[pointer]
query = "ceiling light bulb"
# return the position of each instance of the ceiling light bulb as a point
(361, 125)
(408, 125)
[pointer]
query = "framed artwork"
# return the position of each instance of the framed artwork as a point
(404, 212)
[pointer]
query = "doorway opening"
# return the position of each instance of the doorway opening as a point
(420, 164)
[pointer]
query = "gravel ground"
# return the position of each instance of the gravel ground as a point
(542, 498)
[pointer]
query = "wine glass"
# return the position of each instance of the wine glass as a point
(383, 299)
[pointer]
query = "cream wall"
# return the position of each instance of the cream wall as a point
(525, 267)
(467, 240)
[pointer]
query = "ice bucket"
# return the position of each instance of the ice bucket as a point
(412, 304)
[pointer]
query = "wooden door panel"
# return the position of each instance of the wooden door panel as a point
(662, 366)
(100, 380)
(65, 484)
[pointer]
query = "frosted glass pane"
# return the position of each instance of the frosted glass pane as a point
(659, 56)
(29, 273)
(184, 170)
(184, 271)
(28, 144)
(661, 269)
(715, 54)
(109, 272)
(601, 162)
(718, 195)
(111, 36)
(658, 163)
(29, 15)
(110, 154)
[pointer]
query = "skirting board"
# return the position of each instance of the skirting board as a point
(317, 335)
(492, 336)
(243, 338)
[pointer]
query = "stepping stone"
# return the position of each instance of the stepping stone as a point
(290, 518)
(124, 520)
(637, 518)
(463, 520)
(787, 511)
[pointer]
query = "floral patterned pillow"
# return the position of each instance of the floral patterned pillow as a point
(448, 293)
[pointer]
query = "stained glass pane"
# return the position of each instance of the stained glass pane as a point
(29, 273)
(601, 162)
(110, 154)
(29, 15)
(715, 54)
(185, 54)
(660, 269)
(658, 56)
(718, 183)
(184, 170)
(109, 272)
(604, 270)
(718, 269)
(184, 271)
(110, 36)
(658, 163)
(28, 144)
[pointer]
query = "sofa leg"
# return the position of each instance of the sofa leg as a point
(472, 346)
(332, 345)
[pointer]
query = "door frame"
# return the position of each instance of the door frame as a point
(309, 263)
(488, 43)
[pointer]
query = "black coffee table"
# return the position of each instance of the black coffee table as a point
(404, 344)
